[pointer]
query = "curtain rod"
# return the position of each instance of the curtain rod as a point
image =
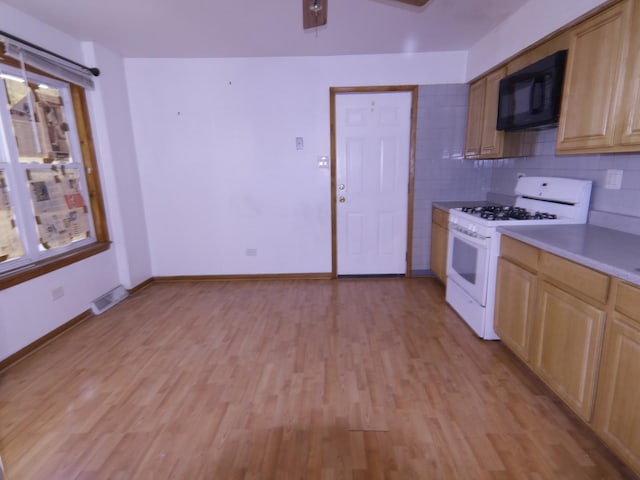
(93, 70)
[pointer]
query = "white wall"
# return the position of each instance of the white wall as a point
(111, 121)
(27, 310)
(535, 20)
(220, 173)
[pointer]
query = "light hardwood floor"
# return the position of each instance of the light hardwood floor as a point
(344, 379)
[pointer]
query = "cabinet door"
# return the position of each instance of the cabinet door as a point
(515, 307)
(491, 144)
(617, 416)
(593, 82)
(567, 341)
(475, 119)
(629, 122)
(630, 117)
(439, 251)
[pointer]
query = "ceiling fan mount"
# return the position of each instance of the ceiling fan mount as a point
(314, 12)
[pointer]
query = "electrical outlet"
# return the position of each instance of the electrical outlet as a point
(57, 293)
(323, 162)
(613, 181)
(251, 252)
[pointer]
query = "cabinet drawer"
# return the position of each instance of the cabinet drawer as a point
(628, 301)
(577, 278)
(519, 252)
(440, 217)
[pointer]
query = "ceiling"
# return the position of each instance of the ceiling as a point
(254, 28)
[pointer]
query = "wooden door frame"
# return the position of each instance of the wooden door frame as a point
(333, 91)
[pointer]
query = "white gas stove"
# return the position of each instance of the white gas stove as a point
(474, 243)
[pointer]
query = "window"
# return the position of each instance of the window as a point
(51, 211)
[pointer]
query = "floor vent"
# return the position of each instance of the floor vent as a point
(108, 300)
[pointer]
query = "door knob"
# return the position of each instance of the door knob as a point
(341, 186)
(342, 199)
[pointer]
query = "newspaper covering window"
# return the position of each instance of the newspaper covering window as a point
(39, 125)
(59, 206)
(10, 246)
(49, 183)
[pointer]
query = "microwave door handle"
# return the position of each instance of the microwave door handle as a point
(536, 95)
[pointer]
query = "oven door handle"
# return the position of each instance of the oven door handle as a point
(464, 232)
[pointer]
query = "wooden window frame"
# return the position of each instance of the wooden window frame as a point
(94, 193)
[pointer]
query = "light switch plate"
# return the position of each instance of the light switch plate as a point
(299, 143)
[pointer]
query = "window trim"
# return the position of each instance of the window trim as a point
(94, 193)
(90, 162)
(42, 267)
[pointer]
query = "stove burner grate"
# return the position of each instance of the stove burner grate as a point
(507, 212)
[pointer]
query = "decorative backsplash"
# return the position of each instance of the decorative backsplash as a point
(441, 172)
(613, 208)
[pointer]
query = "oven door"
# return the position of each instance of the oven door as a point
(468, 262)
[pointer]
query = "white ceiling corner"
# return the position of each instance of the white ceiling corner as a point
(248, 28)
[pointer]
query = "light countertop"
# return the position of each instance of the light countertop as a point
(609, 251)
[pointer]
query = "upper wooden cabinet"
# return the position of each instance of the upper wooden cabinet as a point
(492, 139)
(628, 131)
(600, 110)
(483, 140)
(601, 100)
(475, 119)
(594, 80)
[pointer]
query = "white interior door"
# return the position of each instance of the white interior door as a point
(372, 178)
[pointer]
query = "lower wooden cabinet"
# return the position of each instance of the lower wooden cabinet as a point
(617, 414)
(566, 350)
(516, 293)
(515, 307)
(439, 243)
(579, 330)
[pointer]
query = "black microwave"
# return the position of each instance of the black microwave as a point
(531, 97)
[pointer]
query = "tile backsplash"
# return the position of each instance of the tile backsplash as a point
(614, 208)
(441, 172)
